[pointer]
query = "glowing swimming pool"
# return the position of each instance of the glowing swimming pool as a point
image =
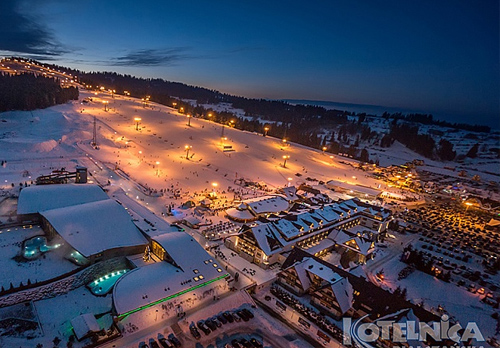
(36, 246)
(104, 284)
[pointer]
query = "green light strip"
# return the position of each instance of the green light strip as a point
(121, 316)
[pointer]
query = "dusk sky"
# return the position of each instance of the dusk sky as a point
(440, 57)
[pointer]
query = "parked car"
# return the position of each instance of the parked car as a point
(194, 331)
(243, 315)
(245, 343)
(222, 319)
(165, 343)
(248, 312)
(153, 343)
(256, 343)
(212, 325)
(228, 316)
(235, 317)
(175, 341)
(236, 344)
(216, 321)
(201, 325)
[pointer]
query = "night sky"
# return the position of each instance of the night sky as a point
(440, 57)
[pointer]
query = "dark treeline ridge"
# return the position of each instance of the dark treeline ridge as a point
(429, 120)
(29, 92)
(297, 123)
(303, 124)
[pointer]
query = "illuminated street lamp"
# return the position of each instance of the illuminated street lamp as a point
(181, 110)
(324, 149)
(468, 204)
(187, 147)
(266, 129)
(285, 157)
(157, 168)
(137, 120)
(289, 181)
(189, 120)
(105, 102)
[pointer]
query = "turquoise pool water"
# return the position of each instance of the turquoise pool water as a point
(36, 246)
(104, 284)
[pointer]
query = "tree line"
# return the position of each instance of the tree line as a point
(29, 92)
(428, 119)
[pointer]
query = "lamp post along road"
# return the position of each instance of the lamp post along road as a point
(137, 120)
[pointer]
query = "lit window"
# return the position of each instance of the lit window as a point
(196, 279)
(196, 271)
(201, 277)
(219, 270)
(206, 262)
(215, 265)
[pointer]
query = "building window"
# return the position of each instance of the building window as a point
(196, 271)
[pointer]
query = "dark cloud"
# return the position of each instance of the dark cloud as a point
(22, 33)
(153, 57)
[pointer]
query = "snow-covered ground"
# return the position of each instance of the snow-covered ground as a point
(149, 157)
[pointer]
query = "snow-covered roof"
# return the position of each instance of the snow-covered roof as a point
(151, 283)
(287, 228)
(355, 188)
(320, 270)
(193, 220)
(238, 214)
(343, 292)
(187, 253)
(84, 324)
(328, 213)
(265, 235)
(324, 244)
(290, 193)
(34, 199)
(94, 227)
(267, 204)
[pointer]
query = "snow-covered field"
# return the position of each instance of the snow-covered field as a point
(160, 153)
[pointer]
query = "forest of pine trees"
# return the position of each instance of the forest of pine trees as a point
(30, 92)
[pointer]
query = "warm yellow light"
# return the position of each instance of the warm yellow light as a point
(157, 162)
(137, 119)
(214, 184)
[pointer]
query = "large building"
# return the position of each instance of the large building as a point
(92, 225)
(35, 199)
(266, 241)
(184, 267)
(338, 293)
